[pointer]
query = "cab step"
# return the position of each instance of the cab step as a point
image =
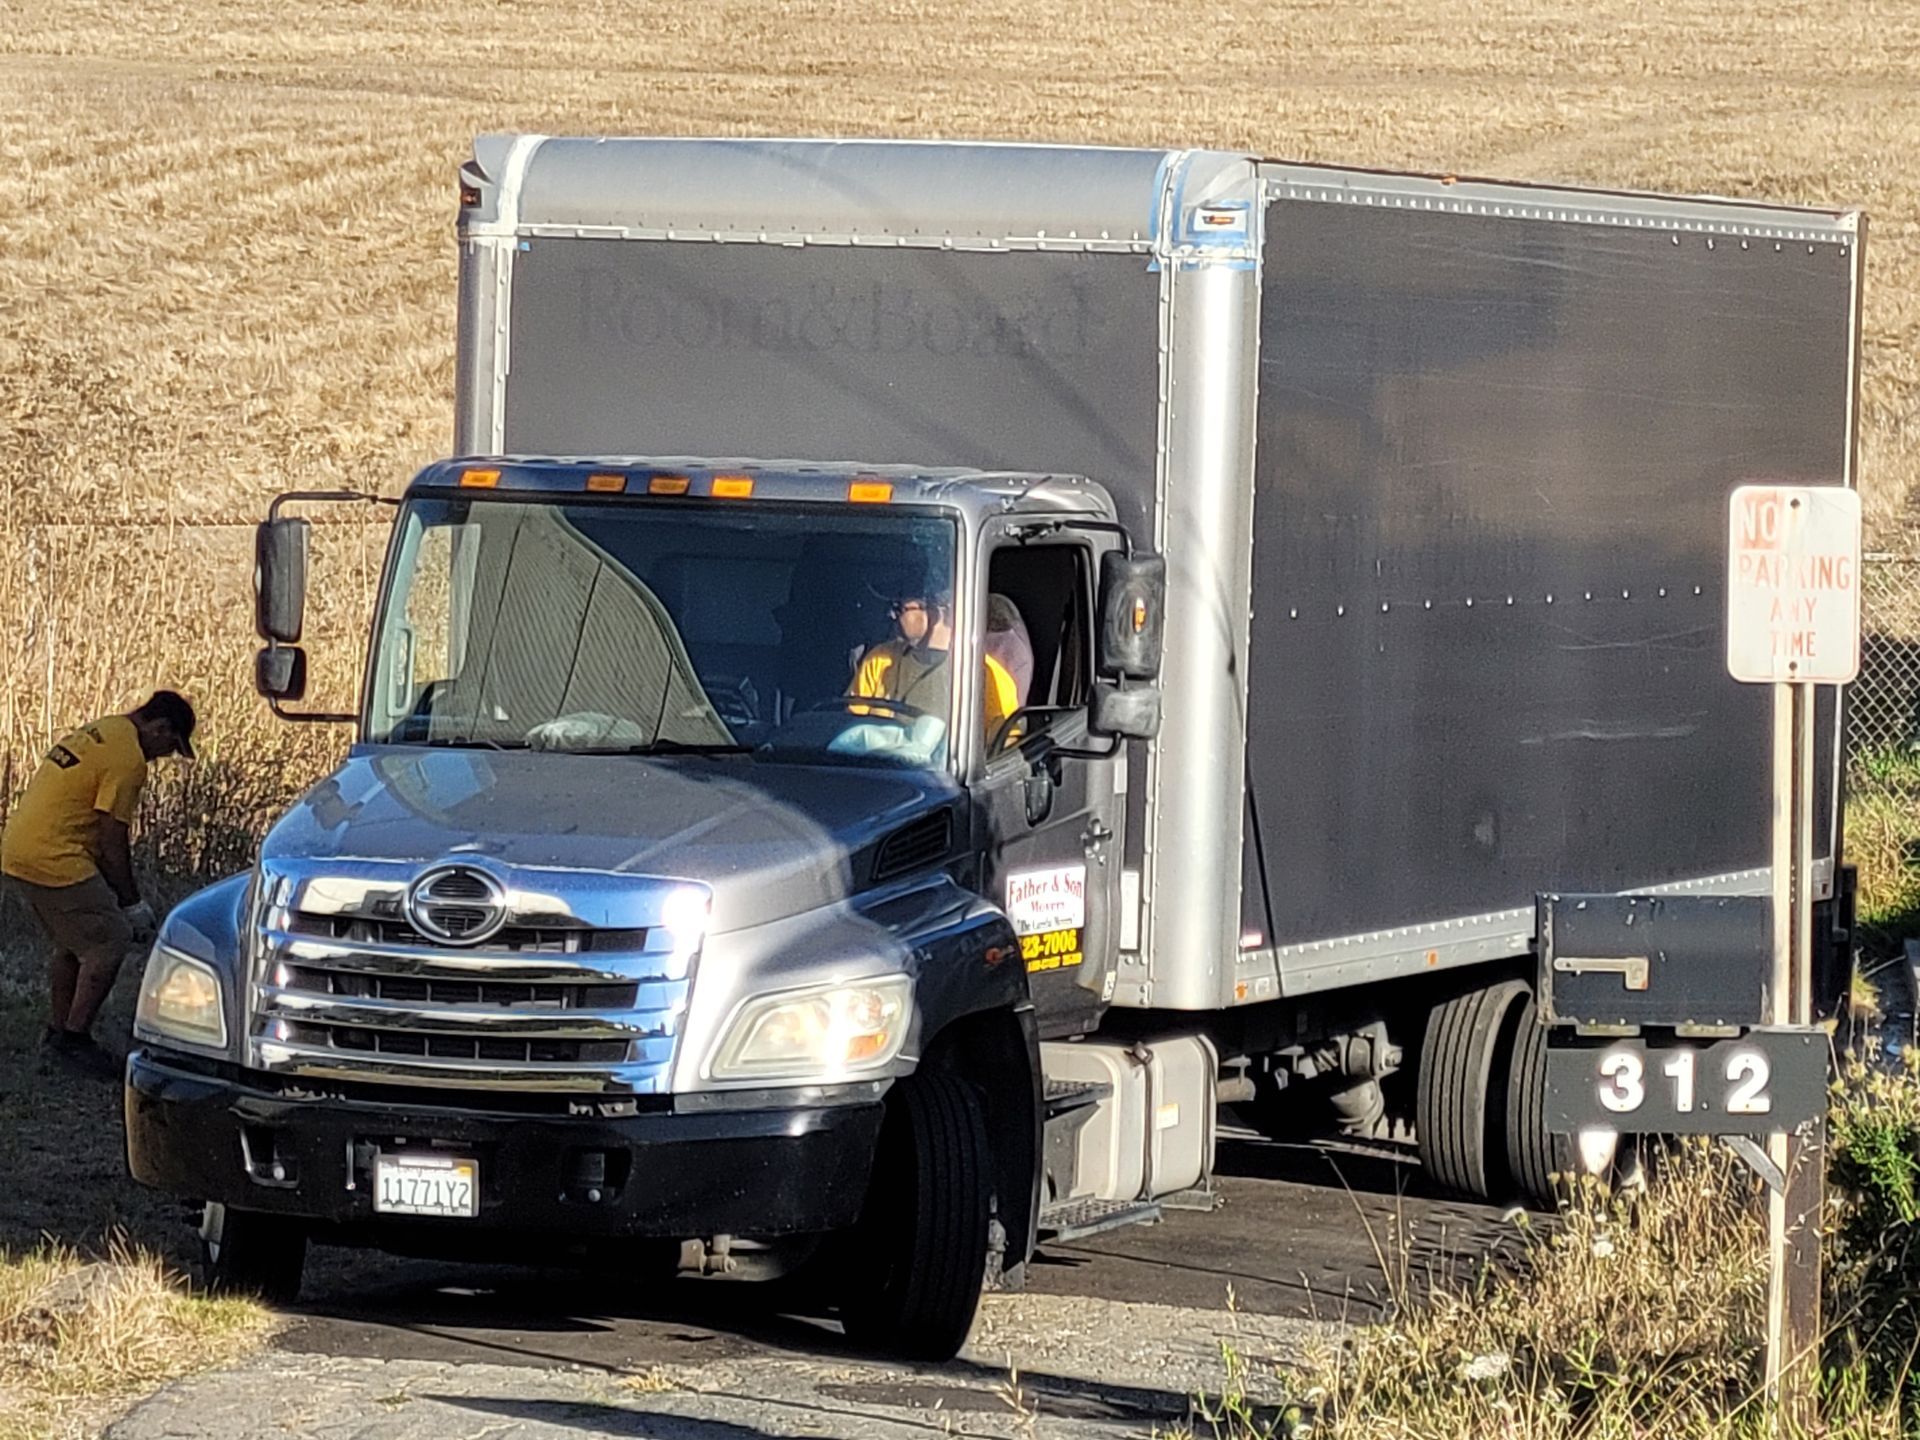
(1077, 1219)
(1202, 1198)
(1061, 1096)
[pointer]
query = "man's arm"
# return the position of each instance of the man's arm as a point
(114, 855)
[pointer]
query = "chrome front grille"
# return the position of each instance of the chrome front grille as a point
(543, 1003)
(518, 939)
(360, 1040)
(503, 994)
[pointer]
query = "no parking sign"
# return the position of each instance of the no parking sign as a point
(1793, 584)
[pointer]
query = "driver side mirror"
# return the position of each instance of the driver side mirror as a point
(280, 579)
(1132, 619)
(1130, 714)
(280, 672)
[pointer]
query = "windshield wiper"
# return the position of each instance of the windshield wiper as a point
(680, 747)
(473, 742)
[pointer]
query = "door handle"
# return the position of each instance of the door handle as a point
(1039, 795)
(1633, 970)
(1093, 840)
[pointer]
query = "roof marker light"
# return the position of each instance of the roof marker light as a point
(870, 492)
(668, 485)
(479, 479)
(607, 484)
(732, 487)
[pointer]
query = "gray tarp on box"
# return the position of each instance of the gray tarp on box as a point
(1461, 408)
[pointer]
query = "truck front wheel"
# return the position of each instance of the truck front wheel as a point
(244, 1252)
(912, 1285)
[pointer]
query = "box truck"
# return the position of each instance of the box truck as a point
(936, 667)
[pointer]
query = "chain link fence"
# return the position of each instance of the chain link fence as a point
(1884, 705)
(1883, 760)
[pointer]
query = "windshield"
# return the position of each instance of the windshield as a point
(667, 627)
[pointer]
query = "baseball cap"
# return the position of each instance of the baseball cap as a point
(174, 708)
(932, 583)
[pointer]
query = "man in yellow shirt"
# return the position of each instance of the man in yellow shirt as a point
(912, 669)
(65, 851)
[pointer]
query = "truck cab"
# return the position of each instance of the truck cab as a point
(719, 843)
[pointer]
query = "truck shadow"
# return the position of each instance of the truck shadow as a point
(1327, 1232)
(1377, 1169)
(552, 1319)
(1299, 1232)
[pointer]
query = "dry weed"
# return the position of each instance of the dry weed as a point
(1639, 1320)
(76, 1335)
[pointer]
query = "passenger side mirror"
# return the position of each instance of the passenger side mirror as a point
(280, 672)
(280, 579)
(1130, 714)
(1133, 594)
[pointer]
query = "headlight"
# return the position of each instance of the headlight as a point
(824, 1034)
(180, 1000)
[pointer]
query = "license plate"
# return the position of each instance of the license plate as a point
(426, 1185)
(1766, 1080)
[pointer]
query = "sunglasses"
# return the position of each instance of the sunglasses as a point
(902, 607)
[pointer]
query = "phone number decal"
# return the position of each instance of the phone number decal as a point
(1051, 950)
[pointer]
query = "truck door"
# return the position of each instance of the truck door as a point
(1052, 854)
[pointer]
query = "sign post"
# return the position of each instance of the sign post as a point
(1793, 622)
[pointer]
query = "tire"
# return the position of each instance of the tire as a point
(1534, 1156)
(920, 1250)
(244, 1252)
(1462, 1089)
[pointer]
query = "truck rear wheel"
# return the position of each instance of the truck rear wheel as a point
(924, 1229)
(244, 1252)
(1462, 1091)
(1534, 1155)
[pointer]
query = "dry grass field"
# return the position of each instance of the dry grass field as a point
(226, 261)
(227, 267)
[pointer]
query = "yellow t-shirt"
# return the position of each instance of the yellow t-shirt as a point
(892, 671)
(97, 770)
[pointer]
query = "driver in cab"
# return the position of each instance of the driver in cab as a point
(913, 668)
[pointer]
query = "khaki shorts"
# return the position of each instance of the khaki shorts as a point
(82, 920)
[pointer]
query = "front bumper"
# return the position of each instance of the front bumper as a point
(207, 1134)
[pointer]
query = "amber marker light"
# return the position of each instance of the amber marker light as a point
(479, 479)
(870, 492)
(668, 485)
(606, 484)
(732, 487)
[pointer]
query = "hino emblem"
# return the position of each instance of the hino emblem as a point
(457, 905)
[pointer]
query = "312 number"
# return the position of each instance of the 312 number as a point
(1623, 1082)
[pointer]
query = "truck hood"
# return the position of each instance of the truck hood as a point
(770, 840)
